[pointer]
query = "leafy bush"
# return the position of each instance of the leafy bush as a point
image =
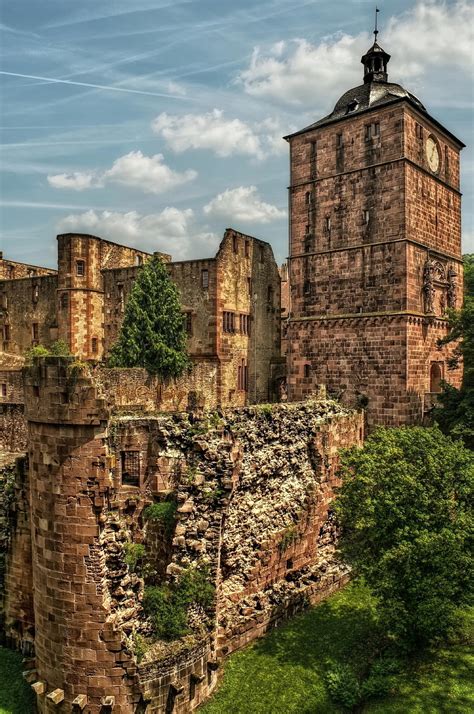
(407, 523)
(57, 349)
(164, 513)
(343, 686)
(60, 349)
(134, 554)
(167, 605)
(289, 537)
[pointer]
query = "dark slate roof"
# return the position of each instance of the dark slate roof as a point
(364, 97)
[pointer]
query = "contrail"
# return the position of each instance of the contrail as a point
(94, 86)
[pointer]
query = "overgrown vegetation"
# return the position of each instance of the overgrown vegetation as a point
(16, 696)
(289, 536)
(164, 513)
(57, 349)
(7, 498)
(134, 555)
(405, 508)
(455, 415)
(153, 332)
(167, 605)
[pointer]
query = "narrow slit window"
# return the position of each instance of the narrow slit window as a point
(35, 293)
(339, 141)
(235, 245)
(64, 301)
(4, 390)
(307, 371)
(204, 278)
(35, 331)
(94, 345)
(130, 462)
(366, 216)
(80, 268)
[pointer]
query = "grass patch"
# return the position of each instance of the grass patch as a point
(16, 697)
(286, 672)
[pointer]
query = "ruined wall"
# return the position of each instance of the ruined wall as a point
(11, 269)
(28, 313)
(16, 584)
(253, 488)
(13, 433)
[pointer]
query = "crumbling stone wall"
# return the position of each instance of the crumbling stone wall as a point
(24, 303)
(253, 488)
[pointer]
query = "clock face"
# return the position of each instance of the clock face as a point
(432, 154)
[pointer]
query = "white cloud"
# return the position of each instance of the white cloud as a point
(208, 131)
(432, 34)
(146, 173)
(77, 181)
(243, 204)
(170, 231)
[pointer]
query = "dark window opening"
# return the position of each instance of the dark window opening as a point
(228, 321)
(313, 149)
(366, 216)
(94, 345)
(245, 324)
(121, 297)
(249, 285)
(328, 223)
(188, 323)
(64, 301)
(419, 131)
(139, 259)
(4, 390)
(436, 376)
(307, 287)
(289, 563)
(6, 333)
(307, 371)
(35, 293)
(247, 249)
(36, 390)
(130, 461)
(270, 295)
(261, 254)
(235, 245)
(80, 268)
(204, 278)
(35, 331)
(307, 198)
(339, 141)
(242, 377)
(352, 106)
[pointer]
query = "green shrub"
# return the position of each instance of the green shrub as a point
(35, 353)
(139, 646)
(60, 349)
(381, 678)
(134, 554)
(167, 605)
(164, 513)
(289, 537)
(343, 686)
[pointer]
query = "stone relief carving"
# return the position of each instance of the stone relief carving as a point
(428, 286)
(452, 291)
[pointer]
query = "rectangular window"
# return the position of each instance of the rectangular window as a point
(204, 278)
(80, 268)
(328, 223)
(244, 323)
(121, 297)
(270, 295)
(372, 131)
(366, 216)
(261, 254)
(64, 301)
(313, 149)
(188, 323)
(94, 345)
(307, 287)
(419, 131)
(4, 390)
(249, 285)
(339, 140)
(4, 301)
(247, 249)
(446, 161)
(6, 333)
(35, 331)
(228, 321)
(130, 462)
(35, 296)
(235, 245)
(307, 371)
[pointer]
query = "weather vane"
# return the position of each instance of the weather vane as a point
(376, 32)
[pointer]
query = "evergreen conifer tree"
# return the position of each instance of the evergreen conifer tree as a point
(153, 332)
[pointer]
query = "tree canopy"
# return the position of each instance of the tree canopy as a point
(455, 415)
(405, 509)
(153, 333)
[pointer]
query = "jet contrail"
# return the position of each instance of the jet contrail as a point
(94, 86)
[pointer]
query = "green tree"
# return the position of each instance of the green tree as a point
(455, 415)
(153, 334)
(405, 509)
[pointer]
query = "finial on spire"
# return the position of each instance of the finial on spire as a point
(376, 32)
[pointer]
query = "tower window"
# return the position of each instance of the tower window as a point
(228, 321)
(249, 285)
(352, 106)
(366, 216)
(80, 268)
(188, 323)
(121, 297)
(35, 331)
(419, 131)
(307, 371)
(339, 141)
(328, 223)
(307, 287)
(130, 463)
(6, 333)
(4, 390)
(204, 278)
(35, 293)
(436, 375)
(307, 198)
(94, 345)
(372, 131)
(235, 245)
(64, 301)
(247, 249)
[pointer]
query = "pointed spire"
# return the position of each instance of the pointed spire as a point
(376, 60)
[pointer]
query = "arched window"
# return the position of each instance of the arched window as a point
(436, 375)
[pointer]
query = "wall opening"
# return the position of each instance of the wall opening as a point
(130, 462)
(436, 375)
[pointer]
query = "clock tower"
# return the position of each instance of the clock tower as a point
(375, 251)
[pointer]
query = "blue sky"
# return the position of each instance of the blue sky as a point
(158, 123)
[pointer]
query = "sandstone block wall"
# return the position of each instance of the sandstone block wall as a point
(28, 313)
(253, 488)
